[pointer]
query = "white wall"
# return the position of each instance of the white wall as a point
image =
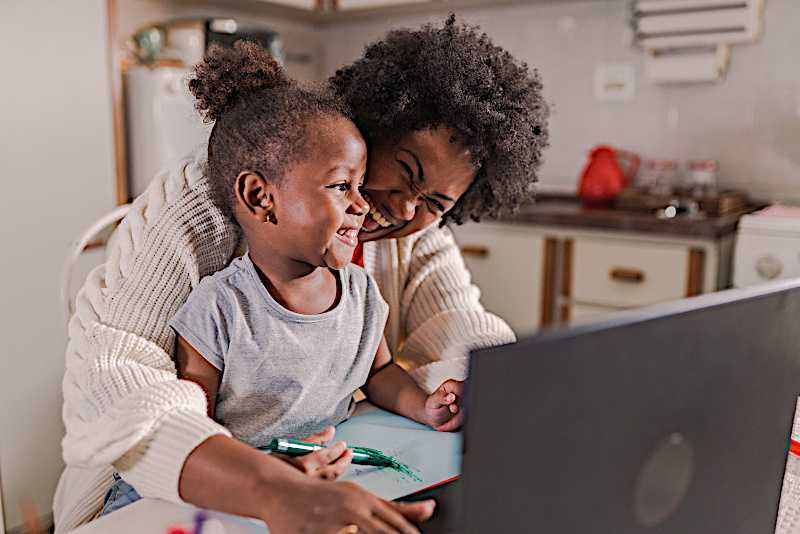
(57, 175)
(750, 122)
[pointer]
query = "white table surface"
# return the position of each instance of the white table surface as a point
(154, 516)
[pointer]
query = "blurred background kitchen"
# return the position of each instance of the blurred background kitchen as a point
(673, 168)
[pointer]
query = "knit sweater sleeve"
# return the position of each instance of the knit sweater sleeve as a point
(123, 402)
(442, 316)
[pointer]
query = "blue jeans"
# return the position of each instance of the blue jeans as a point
(119, 494)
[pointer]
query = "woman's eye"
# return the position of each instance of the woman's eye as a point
(434, 206)
(342, 186)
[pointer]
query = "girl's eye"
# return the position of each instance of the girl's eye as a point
(341, 186)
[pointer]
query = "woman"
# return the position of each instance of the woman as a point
(455, 128)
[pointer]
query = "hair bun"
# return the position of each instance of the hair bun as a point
(227, 74)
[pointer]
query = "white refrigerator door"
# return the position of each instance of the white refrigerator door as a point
(162, 123)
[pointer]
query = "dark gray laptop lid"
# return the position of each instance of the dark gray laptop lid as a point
(675, 419)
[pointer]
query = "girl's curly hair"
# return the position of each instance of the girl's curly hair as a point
(454, 76)
(261, 117)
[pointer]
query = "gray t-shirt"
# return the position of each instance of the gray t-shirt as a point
(283, 373)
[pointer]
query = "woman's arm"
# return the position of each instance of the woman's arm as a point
(123, 402)
(441, 315)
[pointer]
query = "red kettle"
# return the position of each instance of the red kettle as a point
(603, 178)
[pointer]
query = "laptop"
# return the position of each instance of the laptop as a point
(671, 420)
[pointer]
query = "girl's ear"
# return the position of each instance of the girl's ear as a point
(255, 195)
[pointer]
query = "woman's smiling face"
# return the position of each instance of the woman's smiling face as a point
(411, 183)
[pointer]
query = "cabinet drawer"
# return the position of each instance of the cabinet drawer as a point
(627, 274)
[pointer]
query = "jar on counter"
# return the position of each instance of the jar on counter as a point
(658, 177)
(701, 178)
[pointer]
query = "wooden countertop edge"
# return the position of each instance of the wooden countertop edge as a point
(573, 216)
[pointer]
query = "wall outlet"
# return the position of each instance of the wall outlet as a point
(614, 82)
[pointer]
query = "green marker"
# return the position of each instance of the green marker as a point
(361, 455)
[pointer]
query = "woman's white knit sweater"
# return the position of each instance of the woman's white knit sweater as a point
(123, 403)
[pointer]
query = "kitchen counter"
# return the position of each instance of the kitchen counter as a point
(567, 211)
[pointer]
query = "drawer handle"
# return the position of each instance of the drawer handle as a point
(475, 250)
(622, 274)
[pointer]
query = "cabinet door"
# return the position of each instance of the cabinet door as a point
(507, 265)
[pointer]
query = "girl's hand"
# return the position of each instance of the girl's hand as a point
(329, 463)
(323, 507)
(442, 407)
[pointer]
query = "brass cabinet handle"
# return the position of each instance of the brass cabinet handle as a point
(475, 250)
(624, 274)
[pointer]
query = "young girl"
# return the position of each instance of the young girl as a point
(282, 338)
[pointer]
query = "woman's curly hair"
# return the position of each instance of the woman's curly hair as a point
(454, 76)
(261, 117)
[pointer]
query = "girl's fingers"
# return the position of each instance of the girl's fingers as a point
(323, 437)
(337, 468)
(330, 454)
(441, 397)
(456, 386)
(323, 457)
(453, 424)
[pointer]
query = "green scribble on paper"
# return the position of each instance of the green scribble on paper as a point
(380, 459)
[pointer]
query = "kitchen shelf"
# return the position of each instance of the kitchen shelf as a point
(329, 18)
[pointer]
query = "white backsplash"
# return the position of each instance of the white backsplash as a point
(750, 122)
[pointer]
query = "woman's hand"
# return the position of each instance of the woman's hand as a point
(227, 475)
(442, 407)
(323, 507)
(329, 463)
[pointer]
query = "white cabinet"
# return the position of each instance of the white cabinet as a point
(602, 272)
(507, 264)
(534, 275)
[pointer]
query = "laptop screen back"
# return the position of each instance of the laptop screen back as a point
(673, 420)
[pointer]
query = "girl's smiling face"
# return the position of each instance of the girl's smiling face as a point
(411, 183)
(312, 215)
(319, 207)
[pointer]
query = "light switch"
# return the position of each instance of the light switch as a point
(614, 82)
